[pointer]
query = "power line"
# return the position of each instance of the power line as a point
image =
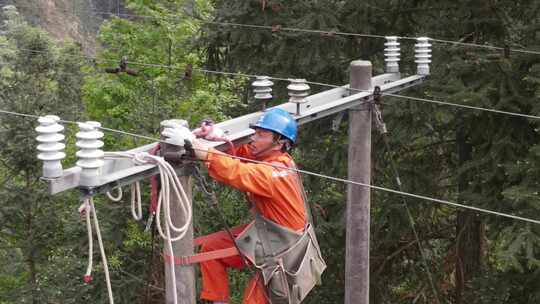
(421, 197)
(337, 179)
(327, 32)
(19, 114)
(253, 26)
(351, 89)
(445, 103)
(277, 28)
(226, 73)
(485, 46)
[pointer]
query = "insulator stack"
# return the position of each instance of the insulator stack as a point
(262, 87)
(51, 147)
(298, 91)
(392, 54)
(174, 123)
(422, 50)
(90, 155)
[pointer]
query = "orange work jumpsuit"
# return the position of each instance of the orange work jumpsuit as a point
(277, 196)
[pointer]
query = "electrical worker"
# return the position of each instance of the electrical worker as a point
(277, 199)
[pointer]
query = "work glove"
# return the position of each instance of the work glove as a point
(200, 150)
(209, 131)
(177, 136)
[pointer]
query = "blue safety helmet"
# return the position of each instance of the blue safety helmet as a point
(279, 121)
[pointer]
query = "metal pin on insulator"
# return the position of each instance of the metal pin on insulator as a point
(90, 155)
(392, 54)
(422, 50)
(51, 148)
(262, 87)
(298, 91)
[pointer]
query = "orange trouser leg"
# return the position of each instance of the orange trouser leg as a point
(215, 283)
(255, 292)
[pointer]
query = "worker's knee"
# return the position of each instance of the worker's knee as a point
(221, 239)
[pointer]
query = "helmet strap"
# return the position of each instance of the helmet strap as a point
(287, 144)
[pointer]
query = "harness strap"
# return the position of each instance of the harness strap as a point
(201, 257)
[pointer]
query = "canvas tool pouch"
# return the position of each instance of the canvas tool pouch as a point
(290, 262)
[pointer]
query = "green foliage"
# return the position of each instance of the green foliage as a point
(37, 77)
(424, 139)
(138, 104)
(43, 240)
(158, 92)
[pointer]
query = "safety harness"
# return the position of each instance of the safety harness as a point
(290, 262)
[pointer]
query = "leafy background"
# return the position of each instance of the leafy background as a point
(481, 159)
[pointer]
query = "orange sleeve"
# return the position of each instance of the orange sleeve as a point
(242, 151)
(246, 177)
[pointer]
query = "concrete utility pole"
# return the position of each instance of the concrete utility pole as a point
(358, 197)
(185, 275)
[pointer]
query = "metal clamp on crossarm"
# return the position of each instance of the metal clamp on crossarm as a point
(377, 113)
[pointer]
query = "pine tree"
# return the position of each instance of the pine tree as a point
(465, 156)
(37, 77)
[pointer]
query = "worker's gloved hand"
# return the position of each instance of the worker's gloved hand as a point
(200, 150)
(177, 136)
(209, 131)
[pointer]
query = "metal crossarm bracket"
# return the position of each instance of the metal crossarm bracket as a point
(119, 172)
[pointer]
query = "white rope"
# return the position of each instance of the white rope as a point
(169, 180)
(136, 205)
(88, 208)
(136, 201)
(115, 198)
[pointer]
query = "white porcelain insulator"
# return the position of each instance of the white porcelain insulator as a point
(392, 54)
(50, 147)
(422, 55)
(174, 123)
(262, 87)
(89, 154)
(298, 90)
